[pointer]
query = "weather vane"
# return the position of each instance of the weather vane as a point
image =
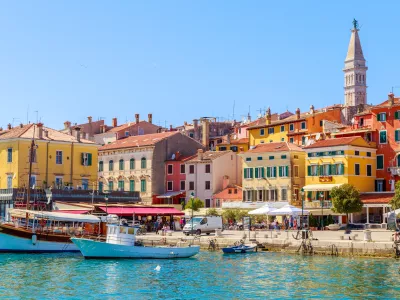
(355, 24)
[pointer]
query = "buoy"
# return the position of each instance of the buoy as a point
(34, 239)
(158, 268)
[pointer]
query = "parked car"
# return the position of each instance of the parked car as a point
(352, 226)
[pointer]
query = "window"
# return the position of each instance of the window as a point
(248, 173)
(248, 158)
(111, 165)
(33, 181)
(207, 204)
(183, 185)
(143, 163)
(170, 169)
(110, 185)
(397, 135)
(337, 169)
(271, 172)
(296, 171)
(262, 131)
(222, 148)
(283, 171)
(312, 170)
(183, 169)
(379, 185)
(121, 185)
(101, 166)
(191, 134)
(282, 139)
(208, 185)
(382, 137)
(357, 153)
(321, 123)
(121, 164)
(326, 170)
(191, 185)
(85, 184)
(271, 157)
(235, 191)
(229, 191)
(259, 172)
(59, 158)
(303, 140)
(303, 125)
(191, 169)
(101, 187)
(126, 133)
(379, 162)
(369, 154)
(169, 186)
(132, 164)
(143, 185)
(369, 170)
(283, 156)
(273, 195)
(234, 148)
(282, 128)
(357, 169)
(208, 168)
(259, 195)
(397, 115)
(381, 117)
(59, 182)
(271, 130)
(295, 157)
(9, 181)
(259, 158)
(361, 122)
(131, 185)
(283, 194)
(291, 140)
(9, 155)
(86, 159)
(291, 127)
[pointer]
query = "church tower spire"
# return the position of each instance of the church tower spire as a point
(355, 71)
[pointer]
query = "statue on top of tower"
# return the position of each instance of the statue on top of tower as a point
(355, 24)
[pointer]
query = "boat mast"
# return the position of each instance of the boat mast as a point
(31, 149)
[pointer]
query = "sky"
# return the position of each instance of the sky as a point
(182, 60)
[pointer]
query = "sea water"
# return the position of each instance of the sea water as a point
(209, 275)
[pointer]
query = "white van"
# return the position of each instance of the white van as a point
(201, 225)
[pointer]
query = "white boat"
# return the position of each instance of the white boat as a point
(120, 243)
(43, 231)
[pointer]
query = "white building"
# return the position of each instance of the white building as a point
(205, 173)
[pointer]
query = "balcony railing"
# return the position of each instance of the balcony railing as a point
(317, 204)
(325, 178)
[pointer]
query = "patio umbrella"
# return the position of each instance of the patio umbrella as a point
(288, 210)
(263, 210)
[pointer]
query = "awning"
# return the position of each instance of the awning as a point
(170, 195)
(326, 212)
(142, 211)
(77, 212)
(55, 216)
(320, 187)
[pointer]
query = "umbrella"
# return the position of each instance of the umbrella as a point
(263, 210)
(289, 210)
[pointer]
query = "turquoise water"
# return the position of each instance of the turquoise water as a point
(207, 276)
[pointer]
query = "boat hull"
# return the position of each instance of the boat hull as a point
(14, 244)
(240, 249)
(96, 249)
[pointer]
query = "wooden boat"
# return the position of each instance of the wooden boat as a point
(44, 231)
(240, 249)
(121, 243)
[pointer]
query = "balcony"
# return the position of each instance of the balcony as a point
(317, 204)
(325, 178)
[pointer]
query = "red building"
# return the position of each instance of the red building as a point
(175, 180)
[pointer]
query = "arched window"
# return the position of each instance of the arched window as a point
(132, 164)
(111, 165)
(143, 163)
(101, 166)
(121, 164)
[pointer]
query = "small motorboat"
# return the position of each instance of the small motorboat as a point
(240, 248)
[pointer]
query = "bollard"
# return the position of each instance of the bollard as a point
(367, 235)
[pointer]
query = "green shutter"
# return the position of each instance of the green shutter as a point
(256, 173)
(287, 170)
(333, 169)
(268, 172)
(280, 171)
(89, 159)
(132, 185)
(309, 170)
(262, 173)
(251, 173)
(342, 171)
(82, 159)
(275, 171)
(396, 115)
(321, 170)
(378, 117)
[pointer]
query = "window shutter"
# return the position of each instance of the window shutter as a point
(342, 170)
(309, 170)
(321, 170)
(251, 172)
(287, 170)
(245, 173)
(89, 159)
(256, 172)
(82, 159)
(333, 169)
(378, 117)
(262, 173)
(396, 115)
(274, 171)
(268, 172)
(280, 171)
(396, 135)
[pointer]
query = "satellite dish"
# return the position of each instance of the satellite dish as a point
(173, 156)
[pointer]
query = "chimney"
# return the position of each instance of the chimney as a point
(89, 119)
(21, 125)
(150, 117)
(46, 133)
(228, 139)
(137, 118)
(103, 128)
(177, 155)
(40, 130)
(312, 109)
(196, 130)
(206, 133)
(391, 99)
(268, 116)
(114, 122)
(67, 124)
(170, 127)
(78, 134)
(9, 126)
(225, 182)
(297, 113)
(200, 154)
(185, 123)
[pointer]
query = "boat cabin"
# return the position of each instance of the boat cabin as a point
(121, 235)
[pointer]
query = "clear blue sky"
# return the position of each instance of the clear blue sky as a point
(186, 59)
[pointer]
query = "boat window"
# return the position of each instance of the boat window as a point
(122, 229)
(204, 221)
(131, 230)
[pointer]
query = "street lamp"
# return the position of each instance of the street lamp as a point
(302, 207)
(322, 208)
(192, 199)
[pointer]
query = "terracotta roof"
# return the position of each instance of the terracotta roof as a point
(226, 196)
(376, 198)
(139, 140)
(335, 142)
(28, 132)
(208, 156)
(275, 147)
(127, 125)
(233, 142)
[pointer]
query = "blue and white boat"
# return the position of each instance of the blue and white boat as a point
(242, 248)
(121, 243)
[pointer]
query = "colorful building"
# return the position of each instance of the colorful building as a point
(206, 171)
(58, 159)
(230, 193)
(273, 172)
(236, 145)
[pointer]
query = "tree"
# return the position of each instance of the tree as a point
(229, 214)
(197, 204)
(346, 199)
(212, 212)
(395, 202)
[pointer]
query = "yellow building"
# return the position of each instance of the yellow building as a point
(273, 172)
(58, 159)
(333, 162)
(239, 145)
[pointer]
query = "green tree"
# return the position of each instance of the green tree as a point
(346, 199)
(240, 213)
(212, 212)
(197, 204)
(229, 214)
(395, 202)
